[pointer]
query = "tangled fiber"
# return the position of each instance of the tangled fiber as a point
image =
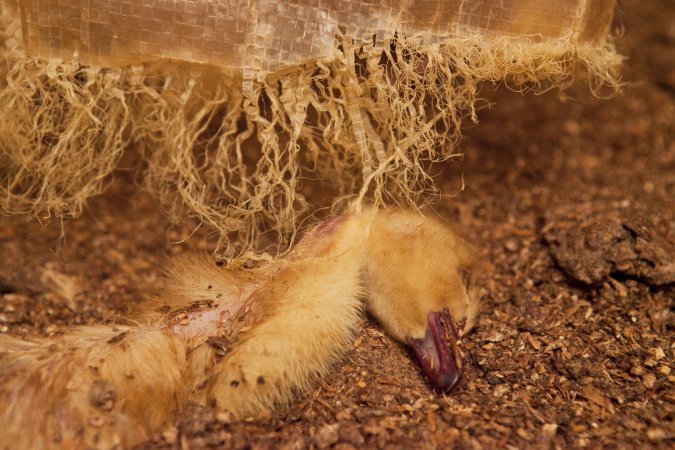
(250, 153)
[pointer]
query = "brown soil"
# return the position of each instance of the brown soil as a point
(574, 205)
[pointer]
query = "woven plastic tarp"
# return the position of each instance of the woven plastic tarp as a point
(266, 35)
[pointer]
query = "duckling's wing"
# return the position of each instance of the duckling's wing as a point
(311, 310)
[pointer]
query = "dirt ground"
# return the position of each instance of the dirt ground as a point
(573, 204)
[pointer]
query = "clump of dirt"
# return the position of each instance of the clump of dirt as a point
(590, 245)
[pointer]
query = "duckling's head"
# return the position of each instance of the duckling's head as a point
(417, 274)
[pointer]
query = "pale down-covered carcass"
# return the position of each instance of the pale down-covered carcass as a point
(242, 340)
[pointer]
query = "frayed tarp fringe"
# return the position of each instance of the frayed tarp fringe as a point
(254, 155)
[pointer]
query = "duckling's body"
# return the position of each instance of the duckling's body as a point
(242, 339)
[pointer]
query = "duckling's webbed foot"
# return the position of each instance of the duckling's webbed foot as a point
(439, 352)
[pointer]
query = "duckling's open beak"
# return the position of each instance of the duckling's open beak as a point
(439, 351)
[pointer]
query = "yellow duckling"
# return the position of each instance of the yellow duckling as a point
(243, 339)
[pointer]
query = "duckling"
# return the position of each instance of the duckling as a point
(244, 340)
